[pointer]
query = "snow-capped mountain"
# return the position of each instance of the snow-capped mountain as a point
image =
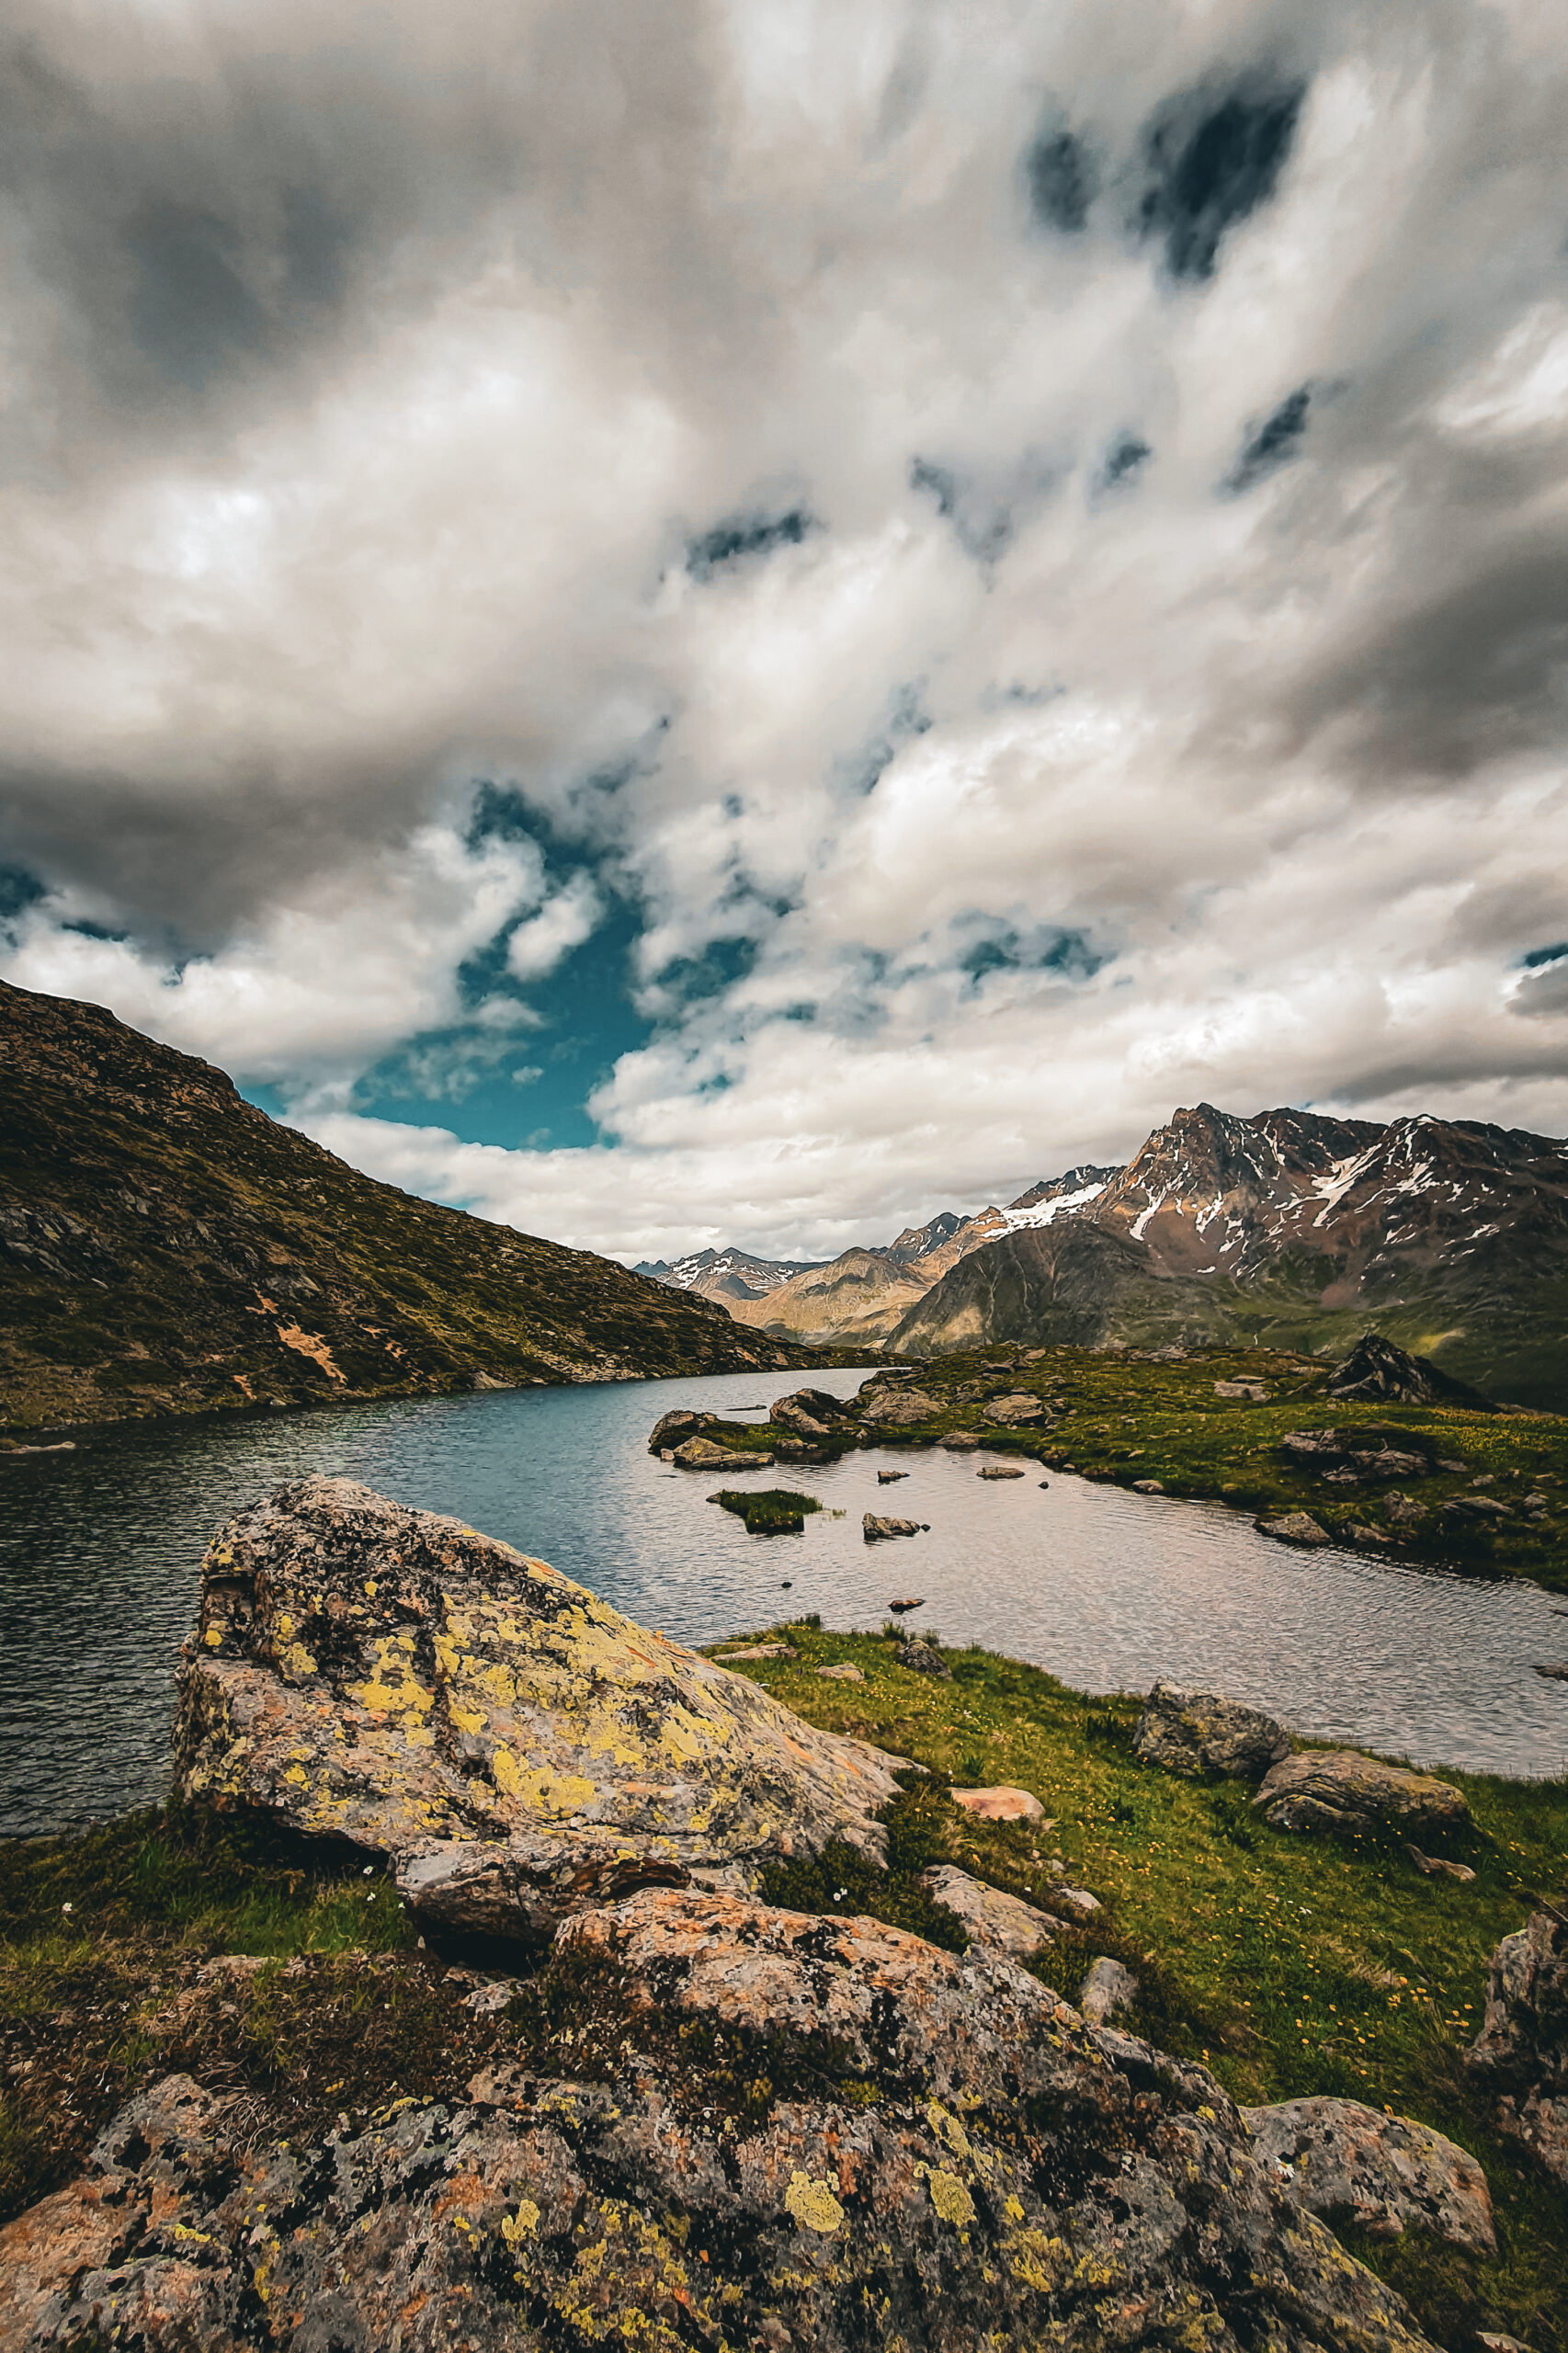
(1452, 1234)
(723, 1274)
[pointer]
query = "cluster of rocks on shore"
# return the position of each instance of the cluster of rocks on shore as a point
(797, 2130)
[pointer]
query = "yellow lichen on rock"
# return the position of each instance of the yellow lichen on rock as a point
(812, 2204)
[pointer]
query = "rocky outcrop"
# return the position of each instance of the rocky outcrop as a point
(1376, 1368)
(810, 1413)
(1521, 2053)
(1350, 2164)
(392, 1679)
(671, 1430)
(992, 1920)
(1200, 1732)
(706, 1454)
(782, 2131)
(1336, 1790)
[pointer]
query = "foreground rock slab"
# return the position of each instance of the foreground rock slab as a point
(1521, 2053)
(1200, 1732)
(997, 1922)
(786, 2132)
(1001, 1804)
(1346, 2163)
(390, 1678)
(1335, 1789)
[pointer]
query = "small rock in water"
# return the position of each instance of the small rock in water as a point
(1147, 1487)
(1295, 1528)
(1045, 1482)
(999, 1470)
(877, 1531)
(1001, 1804)
(912, 1601)
(1107, 1989)
(886, 1478)
(1554, 1674)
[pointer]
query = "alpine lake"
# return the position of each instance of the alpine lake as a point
(101, 1551)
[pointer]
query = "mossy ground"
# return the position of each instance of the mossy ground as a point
(768, 1511)
(1124, 1417)
(1291, 1965)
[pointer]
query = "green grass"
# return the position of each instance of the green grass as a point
(769, 1511)
(1290, 1965)
(1123, 1418)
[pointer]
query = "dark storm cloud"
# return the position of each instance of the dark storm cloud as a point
(1062, 176)
(1274, 442)
(739, 535)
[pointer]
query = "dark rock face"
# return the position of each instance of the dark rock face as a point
(1346, 2163)
(1376, 1368)
(1335, 1789)
(1294, 1528)
(1522, 2048)
(392, 1679)
(1017, 2178)
(1200, 1731)
(671, 1430)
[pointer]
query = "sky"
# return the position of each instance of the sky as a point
(712, 623)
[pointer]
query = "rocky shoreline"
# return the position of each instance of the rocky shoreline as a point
(656, 2089)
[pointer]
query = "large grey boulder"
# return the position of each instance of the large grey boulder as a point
(1346, 2163)
(1202, 1732)
(1521, 2052)
(780, 2131)
(810, 1413)
(671, 1428)
(1336, 1790)
(896, 1408)
(394, 1680)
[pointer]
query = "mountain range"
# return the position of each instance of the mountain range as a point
(1295, 1227)
(166, 1247)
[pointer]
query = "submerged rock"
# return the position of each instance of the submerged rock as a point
(1350, 2164)
(1200, 1732)
(392, 1679)
(1521, 2053)
(994, 1921)
(1335, 1789)
(785, 2131)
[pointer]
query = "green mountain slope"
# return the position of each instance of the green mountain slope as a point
(166, 1247)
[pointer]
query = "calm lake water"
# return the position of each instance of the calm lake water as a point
(100, 1553)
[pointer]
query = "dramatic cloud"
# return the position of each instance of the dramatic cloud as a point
(732, 621)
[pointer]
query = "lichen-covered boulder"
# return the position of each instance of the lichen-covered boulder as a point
(1018, 1410)
(706, 1454)
(782, 2132)
(385, 1677)
(1521, 2053)
(895, 1408)
(1335, 1789)
(1108, 1989)
(1346, 2163)
(1202, 1732)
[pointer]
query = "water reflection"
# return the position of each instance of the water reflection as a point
(99, 1552)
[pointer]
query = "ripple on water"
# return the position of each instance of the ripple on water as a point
(100, 1553)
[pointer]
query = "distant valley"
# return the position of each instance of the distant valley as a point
(1291, 1228)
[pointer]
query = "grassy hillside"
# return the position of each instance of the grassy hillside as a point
(166, 1247)
(1076, 1285)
